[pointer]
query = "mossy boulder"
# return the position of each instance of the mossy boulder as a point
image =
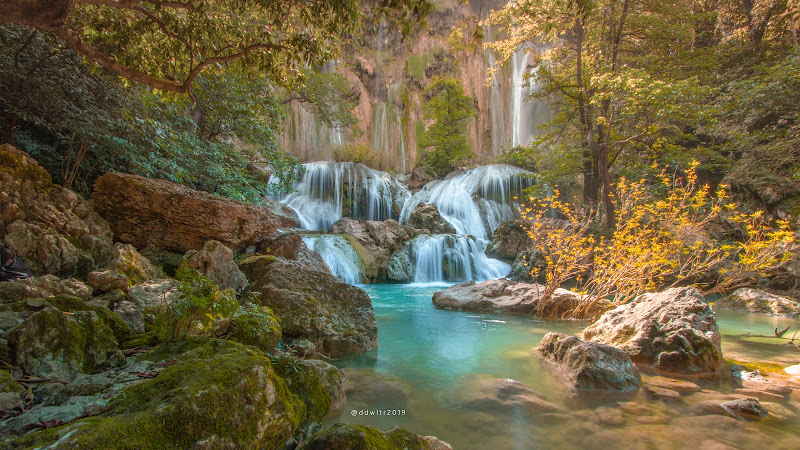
(52, 228)
(426, 216)
(304, 382)
(348, 437)
(8, 384)
(215, 261)
(67, 303)
(509, 240)
(220, 395)
(127, 261)
(44, 286)
(312, 305)
(254, 325)
(54, 344)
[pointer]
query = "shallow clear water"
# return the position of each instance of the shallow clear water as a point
(431, 363)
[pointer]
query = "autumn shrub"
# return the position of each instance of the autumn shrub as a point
(659, 241)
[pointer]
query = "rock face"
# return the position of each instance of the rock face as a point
(312, 305)
(374, 242)
(509, 240)
(290, 245)
(51, 344)
(52, 228)
(426, 217)
(510, 296)
(589, 366)
(142, 211)
(215, 261)
(674, 331)
(756, 301)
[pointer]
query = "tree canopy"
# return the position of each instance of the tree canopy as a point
(167, 44)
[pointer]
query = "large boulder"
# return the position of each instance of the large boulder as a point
(674, 331)
(590, 366)
(290, 245)
(374, 242)
(45, 286)
(53, 229)
(218, 394)
(347, 437)
(426, 216)
(312, 305)
(52, 344)
(515, 297)
(142, 211)
(215, 261)
(757, 301)
(509, 240)
(253, 325)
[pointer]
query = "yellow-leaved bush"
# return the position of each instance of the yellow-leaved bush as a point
(659, 242)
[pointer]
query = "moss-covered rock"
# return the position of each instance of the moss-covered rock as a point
(54, 344)
(8, 384)
(215, 261)
(52, 228)
(44, 286)
(349, 437)
(304, 382)
(127, 261)
(312, 305)
(67, 303)
(220, 395)
(254, 325)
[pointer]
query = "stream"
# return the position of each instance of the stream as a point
(430, 362)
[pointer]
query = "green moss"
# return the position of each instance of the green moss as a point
(255, 325)
(68, 303)
(417, 66)
(419, 130)
(148, 339)
(304, 382)
(8, 384)
(218, 394)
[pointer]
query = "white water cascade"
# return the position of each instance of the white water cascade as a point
(338, 254)
(449, 257)
(328, 191)
(526, 115)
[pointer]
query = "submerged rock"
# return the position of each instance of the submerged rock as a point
(346, 437)
(674, 331)
(746, 409)
(215, 261)
(312, 305)
(757, 301)
(53, 229)
(142, 211)
(589, 366)
(507, 396)
(512, 296)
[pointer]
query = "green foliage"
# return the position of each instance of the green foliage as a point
(199, 305)
(327, 95)
(445, 141)
(417, 65)
(361, 152)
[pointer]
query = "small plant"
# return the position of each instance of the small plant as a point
(196, 309)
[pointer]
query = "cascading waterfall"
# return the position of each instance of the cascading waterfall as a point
(338, 254)
(475, 202)
(328, 191)
(526, 114)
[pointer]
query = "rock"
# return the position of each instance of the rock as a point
(589, 366)
(332, 380)
(142, 211)
(131, 315)
(219, 392)
(746, 409)
(127, 261)
(285, 245)
(73, 408)
(107, 280)
(312, 305)
(215, 261)
(44, 286)
(426, 217)
(10, 319)
(254, 325)
(506, 396)
(154, 294)
(51, 344)
(345, 436)
(363, 387)
(165, 260)
(524, 263)
(312, 260)
(8, 384)
(69, 304)
(374, 242)
(674, 331)
(509, 240)
(662, 394)
(680, 386)
(512, 296)
(53, 229)
(10, 400)
(304, 381)
(418, 178)
(760, 302)
(84, 385)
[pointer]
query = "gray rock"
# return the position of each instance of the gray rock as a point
(674, 331)
(589, 366)
(131, 315)
(506, 396)
(154, 294)
(74, 408)
(746, 409)
(10, 400)
(333, 380)
(45, 286)
(509, 240)
(426, 217)
(760, 302)
(215, 261)
(106, 280)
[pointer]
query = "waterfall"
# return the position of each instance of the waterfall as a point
(329, 191)
(526, 114)
(445, 258)
(476, 201)
(339, 256)
(496, 112)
